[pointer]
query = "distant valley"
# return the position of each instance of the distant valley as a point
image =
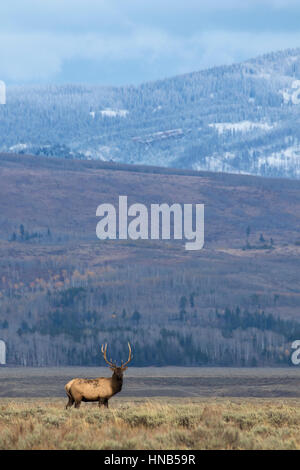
(63, 292)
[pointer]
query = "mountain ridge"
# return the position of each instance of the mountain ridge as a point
(239, 118)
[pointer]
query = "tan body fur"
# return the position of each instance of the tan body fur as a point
(100, 389)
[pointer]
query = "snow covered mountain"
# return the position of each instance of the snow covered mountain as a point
(243, 118)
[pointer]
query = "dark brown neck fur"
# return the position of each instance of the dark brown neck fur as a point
(117, 381)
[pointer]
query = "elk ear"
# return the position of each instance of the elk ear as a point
(124, 368)
(112, 368)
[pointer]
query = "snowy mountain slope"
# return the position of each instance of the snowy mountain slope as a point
(242, 118)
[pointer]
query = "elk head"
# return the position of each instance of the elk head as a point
(118, 371)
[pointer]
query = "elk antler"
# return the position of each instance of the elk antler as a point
(129, 357)
(103, 350)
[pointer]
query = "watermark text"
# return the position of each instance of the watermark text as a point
(2, 92)
(296, 354)
(161, 221)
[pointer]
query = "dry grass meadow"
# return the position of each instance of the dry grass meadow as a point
(158, 424)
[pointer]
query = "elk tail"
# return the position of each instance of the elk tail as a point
(68, 386)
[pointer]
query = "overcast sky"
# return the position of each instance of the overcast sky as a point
(115, 42)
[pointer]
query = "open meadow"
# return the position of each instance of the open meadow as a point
(158, 424)
(158, 408)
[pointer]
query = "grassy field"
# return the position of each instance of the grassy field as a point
(158, 408)
(151, 424)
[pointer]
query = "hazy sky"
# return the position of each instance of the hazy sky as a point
(130, 41)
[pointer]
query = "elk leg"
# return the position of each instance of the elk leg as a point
(101, 402)
(70, 402)
(106, 402)
(77, 404)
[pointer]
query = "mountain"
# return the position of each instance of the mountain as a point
(63, 292)
(242, 118)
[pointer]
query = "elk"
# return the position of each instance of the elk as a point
(100, 389)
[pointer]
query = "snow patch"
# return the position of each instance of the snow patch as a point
(292, 95)
(18, 147)
(286, 158)
(158, 108)
(114, 112)
(242, 126)
(296, 84)
(102, 152)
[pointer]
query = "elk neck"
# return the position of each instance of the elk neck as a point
(117, 381)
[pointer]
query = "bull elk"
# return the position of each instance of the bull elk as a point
(100, 389)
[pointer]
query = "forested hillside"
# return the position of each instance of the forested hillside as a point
(63, 292)
(242, 118)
